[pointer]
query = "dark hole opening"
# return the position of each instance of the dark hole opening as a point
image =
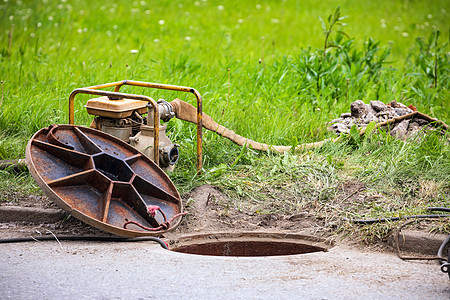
(113, 168)
(173, 155)
(248, 248)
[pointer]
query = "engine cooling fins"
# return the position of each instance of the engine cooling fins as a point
(102, 180)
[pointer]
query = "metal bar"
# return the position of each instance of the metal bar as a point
(120, 95)
(199, 129)
(105, 85)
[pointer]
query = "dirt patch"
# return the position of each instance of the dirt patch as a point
(66, 225)
(210, 211)
(15, 198)
(70, 226)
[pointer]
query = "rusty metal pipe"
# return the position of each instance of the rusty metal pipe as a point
(120, 95)
(106, 85)
(117, 85)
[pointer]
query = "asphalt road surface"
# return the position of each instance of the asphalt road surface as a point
(144, 270)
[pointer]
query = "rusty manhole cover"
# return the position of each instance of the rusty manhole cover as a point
(102, 181)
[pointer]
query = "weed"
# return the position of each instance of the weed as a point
(432, 58)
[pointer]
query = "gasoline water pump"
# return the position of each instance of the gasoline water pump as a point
(135, 119)
(132, 122)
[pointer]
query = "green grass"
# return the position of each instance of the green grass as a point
(282, 89)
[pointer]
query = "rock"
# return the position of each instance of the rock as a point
(400, 130)
(422, 122)
(369, 118)
(378, 106)
(387, 114)
(413, 129)
(362, 114)
(358, 109)
(402, 111)
(382, 118)
(395, 104)
(382, 113)
(339, 128)
(348, 122)
(369, 109)
(346, 115)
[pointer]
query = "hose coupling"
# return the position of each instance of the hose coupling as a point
(165, 110)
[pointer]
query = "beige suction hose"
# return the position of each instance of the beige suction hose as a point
(186, 112)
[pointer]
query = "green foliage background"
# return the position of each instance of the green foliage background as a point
(262, 71)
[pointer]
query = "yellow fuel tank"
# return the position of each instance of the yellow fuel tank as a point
(116, 109)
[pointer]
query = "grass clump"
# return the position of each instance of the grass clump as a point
(16, 186)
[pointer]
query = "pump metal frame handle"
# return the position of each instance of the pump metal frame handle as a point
(94, 90)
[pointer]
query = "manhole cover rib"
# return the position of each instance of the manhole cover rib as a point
(101, 180)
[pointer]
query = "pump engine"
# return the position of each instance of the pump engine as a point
(132, 121)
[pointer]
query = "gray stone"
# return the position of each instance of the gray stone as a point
(358, 109)
(388, 114)
(402, 111)
(382, 118)
(369, 109)
(378, 106)
(362, 114)
(413, 130)
(369, 118)
(400, 129)
(339, 128)
(395, 104)
(422, 122)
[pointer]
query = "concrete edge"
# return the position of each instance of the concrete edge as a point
(30, 214)
(417, 242)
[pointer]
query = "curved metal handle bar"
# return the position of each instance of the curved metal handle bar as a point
(121, 95)
(161, 86)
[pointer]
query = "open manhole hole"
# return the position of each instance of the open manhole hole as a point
(249, 244)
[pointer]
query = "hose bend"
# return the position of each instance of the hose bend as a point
(186, 112)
